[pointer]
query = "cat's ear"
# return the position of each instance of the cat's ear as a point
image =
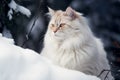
(70, 12)
(51, 11)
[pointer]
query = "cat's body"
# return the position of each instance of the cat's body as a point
(70, 43)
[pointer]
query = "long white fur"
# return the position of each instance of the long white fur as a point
(76, 48)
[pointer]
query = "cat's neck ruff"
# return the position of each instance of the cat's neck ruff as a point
(69, 46)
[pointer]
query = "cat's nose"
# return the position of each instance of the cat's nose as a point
(55, 29)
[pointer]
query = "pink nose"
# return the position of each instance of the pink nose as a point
(55, 29)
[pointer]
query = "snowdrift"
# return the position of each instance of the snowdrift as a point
(17, 63)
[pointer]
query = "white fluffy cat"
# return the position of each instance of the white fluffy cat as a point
(70, 43)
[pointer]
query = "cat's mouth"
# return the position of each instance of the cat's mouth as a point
(58, 35)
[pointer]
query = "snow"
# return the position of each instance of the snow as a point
(10, 12)
(5, 40)
(17, 63)
(17, 8)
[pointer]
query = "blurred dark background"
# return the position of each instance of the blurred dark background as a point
(103, 16)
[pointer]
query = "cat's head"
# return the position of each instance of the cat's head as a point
(66, 24)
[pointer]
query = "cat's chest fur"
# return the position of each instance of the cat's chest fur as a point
(71, 54)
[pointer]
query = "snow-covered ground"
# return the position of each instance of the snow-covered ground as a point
(17, 63)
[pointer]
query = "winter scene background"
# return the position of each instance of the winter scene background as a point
(25, 21)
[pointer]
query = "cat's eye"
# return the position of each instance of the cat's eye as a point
(52, 25)
(62, 24)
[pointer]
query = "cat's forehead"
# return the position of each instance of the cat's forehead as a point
(59, 16)
(59, 13)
